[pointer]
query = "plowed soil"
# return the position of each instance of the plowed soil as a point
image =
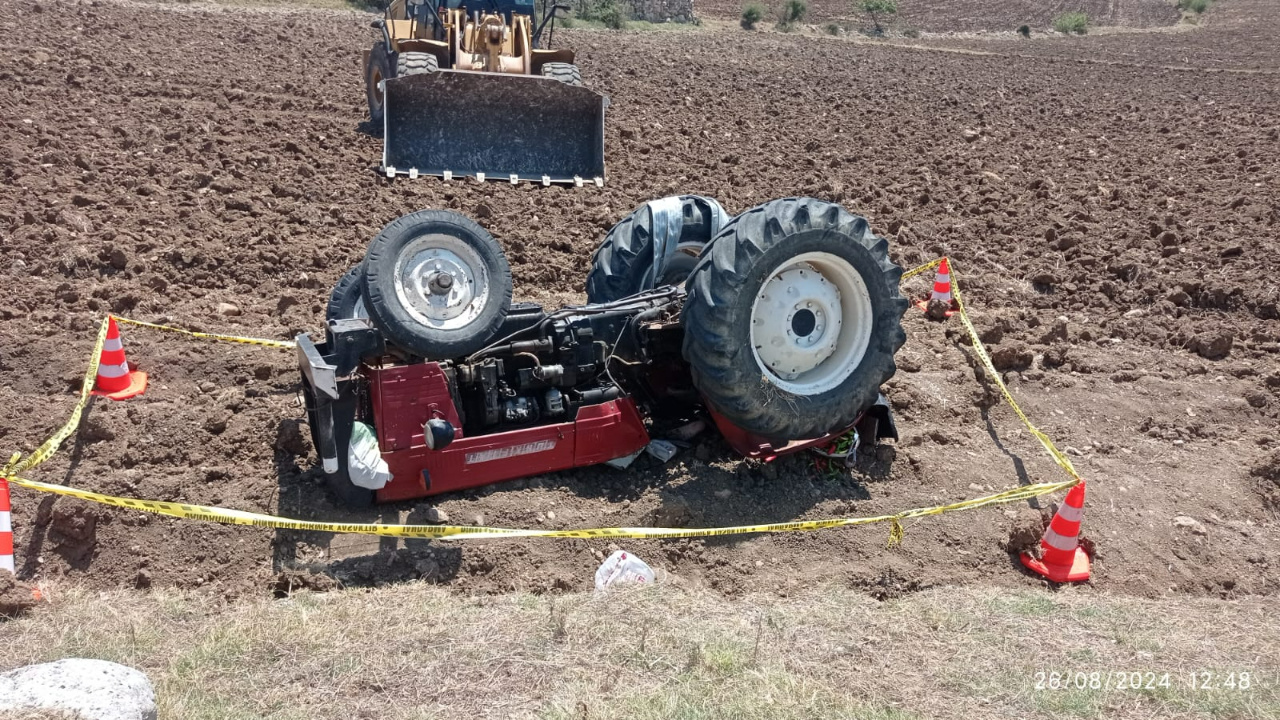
(949, 16)
(1113, 221)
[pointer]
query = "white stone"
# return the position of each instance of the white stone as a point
(89, 689)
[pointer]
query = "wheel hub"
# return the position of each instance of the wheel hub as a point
(440, 285)
(796, 321)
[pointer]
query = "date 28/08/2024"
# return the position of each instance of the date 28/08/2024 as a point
(1142, 680)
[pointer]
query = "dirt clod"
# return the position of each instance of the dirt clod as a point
(16, 597)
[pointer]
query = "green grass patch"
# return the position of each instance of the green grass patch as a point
(1071, 23)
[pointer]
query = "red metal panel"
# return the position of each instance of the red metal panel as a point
(754, 446)
(600, 432)
(609, 430)
(404, 398)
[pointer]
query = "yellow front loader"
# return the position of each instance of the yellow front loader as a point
(463, 88)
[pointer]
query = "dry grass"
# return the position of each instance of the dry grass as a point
(416, 651)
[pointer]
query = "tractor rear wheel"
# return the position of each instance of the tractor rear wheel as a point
(416, 63)
(374, 74)
(566, 73)
(436, 284)
(793, 318)
(345, 301)
(623, 264)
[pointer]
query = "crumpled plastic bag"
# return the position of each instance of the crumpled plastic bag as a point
(365, 465)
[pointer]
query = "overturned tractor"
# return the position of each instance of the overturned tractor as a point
(463, 88)
(777, 326)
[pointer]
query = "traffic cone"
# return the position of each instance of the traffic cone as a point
(1061, 558)
(115, 380)
(941, 289)
(6, 529)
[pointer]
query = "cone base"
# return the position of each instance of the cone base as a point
(137, 385)
(1078, 571)
(923, 306)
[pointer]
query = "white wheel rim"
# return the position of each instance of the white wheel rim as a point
(360, 311)
(811, 323)
(423, 290)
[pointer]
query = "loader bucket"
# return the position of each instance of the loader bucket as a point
(454, 123)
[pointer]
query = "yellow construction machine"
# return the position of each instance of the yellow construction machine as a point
(464, 88)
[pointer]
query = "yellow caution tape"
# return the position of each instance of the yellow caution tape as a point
(923, 268)
(454, 532)
(284, 344)
(981, 351)
(50, 446)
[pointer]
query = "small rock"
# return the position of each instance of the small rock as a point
(436, 516)
(118, 259)
(208, 386)
(723, 494)
(228, 309)
(976, 487)
(483, 211)
(75, 222)
(478, 521)
(551, 514)
(80, 688)
(1257, 398)
(1044, 277)
(216, 424)
(1192, 524)
(1012, 357)
(970, 135)
(1214, 344)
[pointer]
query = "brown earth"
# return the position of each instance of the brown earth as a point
(945, 16)
(1113, 225)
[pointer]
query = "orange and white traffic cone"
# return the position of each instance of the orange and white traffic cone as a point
(1061, 558)
(941, 289)
(6, 529)
(115, 379)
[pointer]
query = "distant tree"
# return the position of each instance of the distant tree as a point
(792, 13)
(751, 14)
(878, 9)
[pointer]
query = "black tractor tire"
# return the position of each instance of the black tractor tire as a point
(416, 63)
(378, 69)
(423, 231)
(718, 315)
(345, 302)
(623, 264)
(567, 73)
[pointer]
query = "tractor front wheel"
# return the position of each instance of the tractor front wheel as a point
(793, 318)
(436, 284)
(345, 302)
